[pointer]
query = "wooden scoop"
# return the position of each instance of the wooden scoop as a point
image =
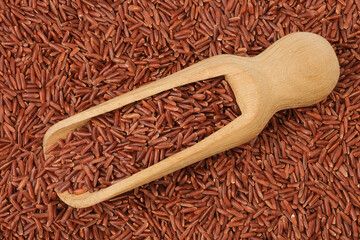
(298, 70)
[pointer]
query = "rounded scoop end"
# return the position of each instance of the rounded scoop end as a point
(304, 69)
(320, 70)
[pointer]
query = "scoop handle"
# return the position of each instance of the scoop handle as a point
(301, 70)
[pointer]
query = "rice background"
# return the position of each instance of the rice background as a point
(297, 180)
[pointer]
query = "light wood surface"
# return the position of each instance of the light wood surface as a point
(298, 70)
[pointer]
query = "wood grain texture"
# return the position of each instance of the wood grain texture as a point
(298, 70)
